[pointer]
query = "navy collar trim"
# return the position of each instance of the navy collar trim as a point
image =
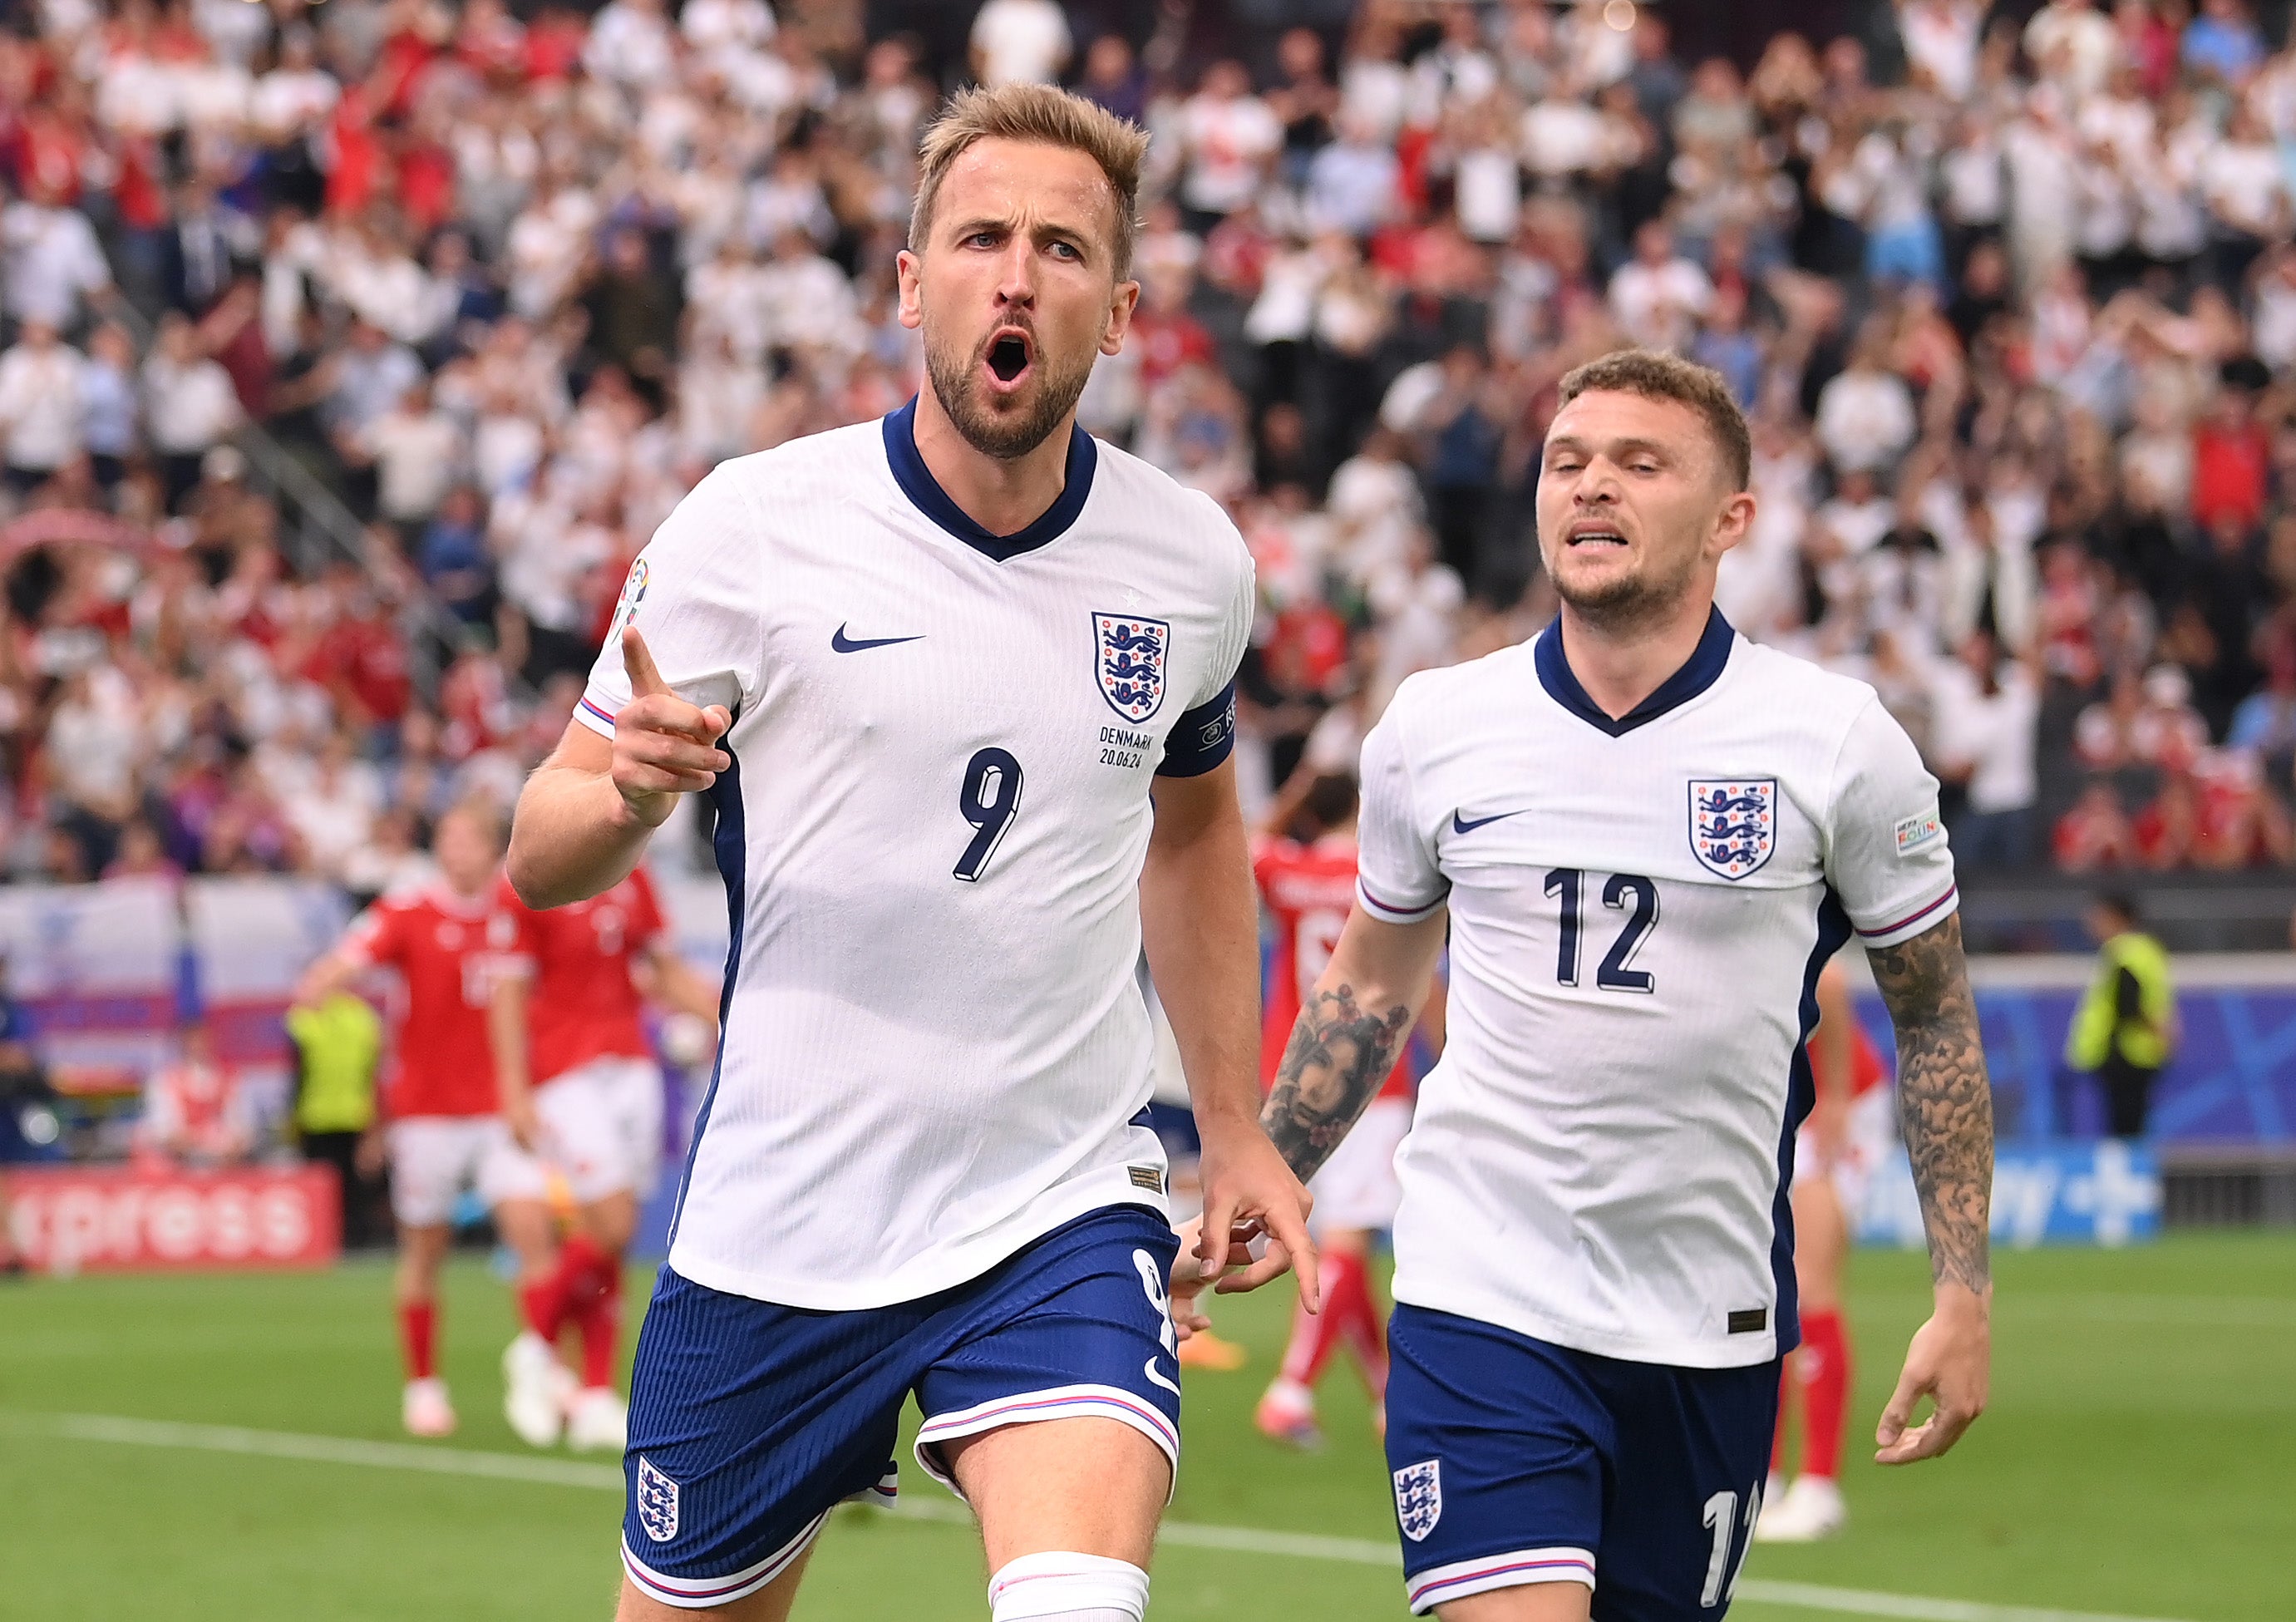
(1699, 672)
(925, 492)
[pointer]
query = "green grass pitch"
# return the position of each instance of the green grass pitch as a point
(2136, 1463)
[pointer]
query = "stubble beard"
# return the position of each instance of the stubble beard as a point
(1626, 604)
(956, 384)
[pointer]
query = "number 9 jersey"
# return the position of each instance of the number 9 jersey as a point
(931, 838)
(1639, 909)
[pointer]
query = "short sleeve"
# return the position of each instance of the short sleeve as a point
(1397, 877)
(373, 938)
(688, 595)
(1205, 734)
(1887, 854)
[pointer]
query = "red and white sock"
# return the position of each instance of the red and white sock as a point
(418, 1338)
(541, 1304)
(598, 1317)
(1315, 1336)
(1823, 1365)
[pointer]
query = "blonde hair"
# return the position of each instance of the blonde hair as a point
(1050, 116)
(1657, 375)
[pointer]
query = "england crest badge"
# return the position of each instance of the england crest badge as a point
(1733, 822)
(1129, 654)
(657, 1502)
(1419, 1498)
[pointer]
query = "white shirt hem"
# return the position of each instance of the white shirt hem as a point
(1738, 1352)
(943, 1267)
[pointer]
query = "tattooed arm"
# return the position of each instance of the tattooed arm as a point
(1344, 1044)
(1945, 1107)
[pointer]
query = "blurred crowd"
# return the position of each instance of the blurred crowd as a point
(2007, 292)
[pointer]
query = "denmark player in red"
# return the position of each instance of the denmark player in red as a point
(445, 1129)
(581, 1091)
(1308, 888)
(1847, 1131)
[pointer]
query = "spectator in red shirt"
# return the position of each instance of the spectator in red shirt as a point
(2232, 454)
(2095, 832)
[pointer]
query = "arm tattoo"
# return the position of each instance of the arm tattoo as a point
(1945, 1101)
(1338, 1058)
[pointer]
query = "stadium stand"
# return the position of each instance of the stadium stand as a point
(2013, 307)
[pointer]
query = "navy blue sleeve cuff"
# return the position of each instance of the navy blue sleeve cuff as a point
(1202, 738)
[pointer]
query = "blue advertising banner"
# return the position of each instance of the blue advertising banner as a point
(2097, 1193)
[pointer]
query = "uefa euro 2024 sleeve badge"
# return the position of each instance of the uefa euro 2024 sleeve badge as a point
(1734, 824)
(626, 609)
(1130, 654)
(1419, 1498)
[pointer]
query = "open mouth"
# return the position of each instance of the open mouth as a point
(1596, 534)
(1008, 356)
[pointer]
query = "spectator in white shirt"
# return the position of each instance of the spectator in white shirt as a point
(2073, 45)
(630, 45)
(1657, 297)
(1866, 415)
(1021, 41)
(1987, 713)
(1230, 139)
(417, 452)
(1351, 182)
(189, 404)
(55, 267)
(42, 407)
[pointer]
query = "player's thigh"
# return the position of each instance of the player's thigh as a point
(770, 1603)
(1083, 1485)
(1691, 1453)
(529, 1229)
(595, 1126)
(1539, 1602)
(433, 1158)
(1496, 1445)
(1821, 1241)
(1059, 1400)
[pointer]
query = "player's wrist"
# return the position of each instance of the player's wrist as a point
(1957, 1302)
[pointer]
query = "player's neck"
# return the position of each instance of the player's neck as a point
(1618, 665)
(1003, 497)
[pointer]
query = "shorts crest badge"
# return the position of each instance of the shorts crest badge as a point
(1129, 654)
(1734, 824)
(657, 1502)
(1419, 1498)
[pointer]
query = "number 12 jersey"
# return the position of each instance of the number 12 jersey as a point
(935, 1050)
(1639, 908)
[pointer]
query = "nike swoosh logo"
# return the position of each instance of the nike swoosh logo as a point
(1459, 826)
(839, 643)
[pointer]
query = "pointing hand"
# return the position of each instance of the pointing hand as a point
(663, 746)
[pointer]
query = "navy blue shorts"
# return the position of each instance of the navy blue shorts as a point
(749, 1422)
(1517, 1461)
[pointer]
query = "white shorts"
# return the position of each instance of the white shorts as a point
(1872, 1128)
(1356, 1187)
(434, 1158)
(601, 1131)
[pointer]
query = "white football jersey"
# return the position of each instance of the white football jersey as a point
(1638, 911)
(935, 1050)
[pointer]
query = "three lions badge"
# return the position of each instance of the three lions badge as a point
(1419, 1498)
(1129, 654)
(1733, 822)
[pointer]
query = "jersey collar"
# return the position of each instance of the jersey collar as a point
(1699, 672)
(925, 492)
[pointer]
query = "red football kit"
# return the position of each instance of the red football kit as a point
(447, 949)
(1309, 889)
(584, 1005)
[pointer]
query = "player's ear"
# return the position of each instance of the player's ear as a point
(1120, 305)
(906, 267)
(1732, 523)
